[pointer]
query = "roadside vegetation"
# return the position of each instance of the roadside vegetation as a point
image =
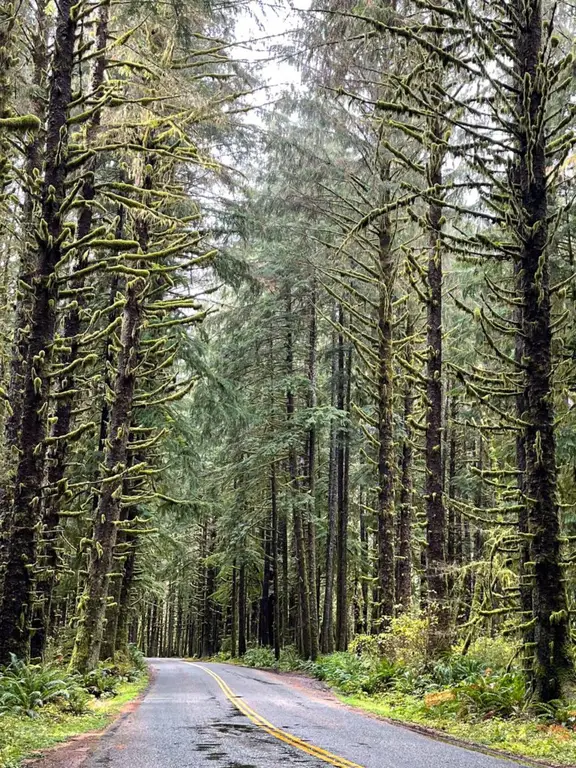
(43, 704)
(476, 693)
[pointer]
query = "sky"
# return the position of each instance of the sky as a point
(259, 29)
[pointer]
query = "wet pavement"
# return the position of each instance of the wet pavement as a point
(188, 721)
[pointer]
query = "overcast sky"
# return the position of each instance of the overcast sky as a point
(259, 29)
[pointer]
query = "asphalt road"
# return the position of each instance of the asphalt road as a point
(191, 718)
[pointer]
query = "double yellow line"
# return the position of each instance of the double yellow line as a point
(278, 733)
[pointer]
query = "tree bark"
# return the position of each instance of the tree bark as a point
(404, 546)
(18, 580)
(436, 577)
(311, 480)
(552, 661)
(327, 635)
(242, 611)
(386, 455)
(342, 490)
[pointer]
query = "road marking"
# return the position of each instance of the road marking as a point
(278, 733)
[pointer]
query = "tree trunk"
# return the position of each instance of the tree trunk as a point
(89, 636)
(25, 516)
(234, 611)
(327, 635)
(264, 612)
(404, 547)
(439, 640)
(242, 611)
(57, 454)
(299, 540)
(364, 567)
(124, 602)
(342, 472)
(452, 531)
(386, 454)
(552, 661)
(275, 560)
(311, 479)
(19, 348)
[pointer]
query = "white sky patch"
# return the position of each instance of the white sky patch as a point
(259, 32)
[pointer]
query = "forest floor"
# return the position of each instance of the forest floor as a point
(23, 737)
(524, 736)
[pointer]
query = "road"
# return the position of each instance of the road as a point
(221, 716)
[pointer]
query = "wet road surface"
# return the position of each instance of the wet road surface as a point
(222, 716)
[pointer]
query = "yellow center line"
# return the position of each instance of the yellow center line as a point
(278, 733)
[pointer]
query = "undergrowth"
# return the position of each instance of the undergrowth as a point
(43, 704)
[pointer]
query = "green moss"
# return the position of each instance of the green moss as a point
(20, 123)
(20, 737)
(521, 736)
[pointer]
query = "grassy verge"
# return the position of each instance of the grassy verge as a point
(524, 737)
(474, 699)
(21, 736)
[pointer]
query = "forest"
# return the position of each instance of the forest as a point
(288, 370)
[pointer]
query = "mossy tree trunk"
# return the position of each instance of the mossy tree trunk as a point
(22, 295)
(57, 454)
(386, 452)
(436, 576)
(89, 636)
(552, 660)
(327, 632)
(311, 477)
(17, 598)
(342, 487)
(404, 538)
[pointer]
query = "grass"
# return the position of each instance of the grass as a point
(21, 736)
(521, 736)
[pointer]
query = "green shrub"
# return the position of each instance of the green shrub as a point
(352, 674)
(558, 712)
(405, 641)
(259, 657)
(454, 669)
(493, 696)
(345, 671)
(136, 658)
(77, 701)
(101, 682)
(291, 661)
(493, 652)
(383, 676)
(414, 680)
(25, 688)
